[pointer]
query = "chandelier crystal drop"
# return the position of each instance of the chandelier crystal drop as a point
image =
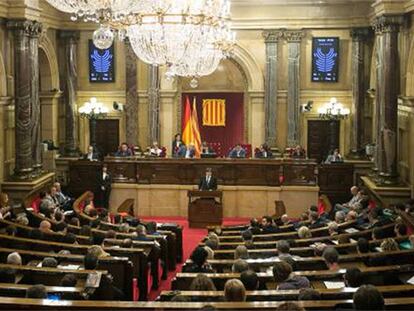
(333, 111)
(103, 37)
(189, 37)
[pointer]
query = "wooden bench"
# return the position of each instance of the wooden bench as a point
(19, 290)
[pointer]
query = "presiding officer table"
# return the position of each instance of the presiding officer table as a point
(163, 182)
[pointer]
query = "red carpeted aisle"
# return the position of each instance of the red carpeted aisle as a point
(191, 238)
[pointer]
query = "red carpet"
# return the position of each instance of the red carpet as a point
(191, 238)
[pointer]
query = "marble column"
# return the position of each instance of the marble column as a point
(294, 39)
(35, 31)
(387, 29)
(23, 101)
(69, 85)
(131, 104)
(359, 87)
(271, 40)
(154, 104)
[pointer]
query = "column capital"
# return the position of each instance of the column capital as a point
(273, 36)
(69, 35)
(294, 35)
(25, 27)
(360, 33)
(387, 23)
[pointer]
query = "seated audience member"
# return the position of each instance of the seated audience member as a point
(106, 289)
(285, 221)
(124, 228)
(91, 155)
(176, 144)
(351, 204)
(368, 297)
(74, 222)
(202, 283)
(377, 234)
(4, 206)
(254, 226)
(316, 221)
(331, 256)
(210, 252)
(334, 157)
(155, 150)
(298, 152)
(181, 151)
(234, 291)
(247, 237)
(45, 227)
(263, 152)
(389, 245)
(199, 262)
(49, 262)
(14, 259)
(400, 229)
(212, 243)
(63, 200)
(46, 206)
(376, 218)
(353, 277)
(36, 292)
(237, 152)
(268, 226)
(85, 230)
(22, 220)
(240, 266)
(241, 252)
(283, 249)
(142, 234)
(98, 251)
(363, 246)
(309, 294)
(351, 216)
(250, 280)
(190, 152)
(285, 279)
(332, 228)
(304, 233)
(290, 306)
(64, 252)
(340, 217)
(69, 280)
(124, 151)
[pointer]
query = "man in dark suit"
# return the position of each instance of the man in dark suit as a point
(237, 152)
(104, 182)
(208, 182)
(91, 155)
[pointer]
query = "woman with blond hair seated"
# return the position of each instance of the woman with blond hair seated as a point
(4, 206)
(234, 291)
(202, 283)
(304, 233)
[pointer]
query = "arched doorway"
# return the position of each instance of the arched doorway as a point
(48, 90)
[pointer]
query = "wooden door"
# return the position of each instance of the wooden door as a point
(323, 137)
(107, 136)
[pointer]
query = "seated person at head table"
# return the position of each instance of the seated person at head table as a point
(124, 151)
(334, 157)
(181, 151)
(91, 155)
(176, 144)
(190, 152)
(155, 150)
(298, 152)
(208, 182)
(205, 149)
(263, 152)
(237, 152)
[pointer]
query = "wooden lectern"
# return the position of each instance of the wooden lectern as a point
(205, 208)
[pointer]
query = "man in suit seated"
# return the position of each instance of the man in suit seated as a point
(205, 149)
(263, 152)
(124, 151)
(208, 182)
(91, 155)
(298, 152)
(237, 152)
(181, 151)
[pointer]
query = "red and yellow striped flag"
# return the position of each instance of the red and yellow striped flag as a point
(196, 130)
(187, 124)
(214, 112)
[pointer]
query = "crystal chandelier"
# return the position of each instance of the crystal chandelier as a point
(93, 110)
(333, 111)
(104, 12)
(189, 37)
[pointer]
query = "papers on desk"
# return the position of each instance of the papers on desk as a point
(69, 267)
(334, 285)
(336, 242)
(411, 280)
(351, 230)
(378, 249)
(352, 241)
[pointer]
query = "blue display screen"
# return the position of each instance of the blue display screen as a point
(101, 64)
(325, 59)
